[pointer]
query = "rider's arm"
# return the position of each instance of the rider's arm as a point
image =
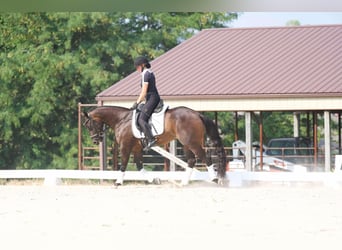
(143, 92)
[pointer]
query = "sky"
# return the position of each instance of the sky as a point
(264, 19)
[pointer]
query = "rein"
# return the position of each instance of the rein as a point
(124, 119)
(99, 133)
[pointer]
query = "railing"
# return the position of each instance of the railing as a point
(154, 161)
(151, 161)
(91, 158)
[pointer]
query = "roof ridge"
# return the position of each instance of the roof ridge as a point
(273, 27)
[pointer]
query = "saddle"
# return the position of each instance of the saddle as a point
(156, 120)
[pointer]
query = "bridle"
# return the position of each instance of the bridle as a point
(96, 129)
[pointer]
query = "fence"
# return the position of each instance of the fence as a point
(152, 160)
(235, 179)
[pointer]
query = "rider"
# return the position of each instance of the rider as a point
(149, 93)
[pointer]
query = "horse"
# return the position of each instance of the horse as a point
(189, 127)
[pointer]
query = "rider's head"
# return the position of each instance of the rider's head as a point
(141, 62)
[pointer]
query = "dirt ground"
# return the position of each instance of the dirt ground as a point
(137, 216)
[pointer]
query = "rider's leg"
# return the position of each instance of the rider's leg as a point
(145, 115)
(143, 123)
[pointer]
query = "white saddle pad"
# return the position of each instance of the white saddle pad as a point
(156, 122)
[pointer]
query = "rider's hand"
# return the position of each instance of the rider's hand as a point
(135, 105)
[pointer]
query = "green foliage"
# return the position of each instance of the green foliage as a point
(51, 61)
(275, 125)
(293, 23)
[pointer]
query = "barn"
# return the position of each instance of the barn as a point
(250, 70)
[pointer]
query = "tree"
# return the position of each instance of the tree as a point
(51, 61)
(293, 23)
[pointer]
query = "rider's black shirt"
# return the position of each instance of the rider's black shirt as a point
(148, 76)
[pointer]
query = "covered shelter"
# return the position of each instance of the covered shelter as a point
(249, 69)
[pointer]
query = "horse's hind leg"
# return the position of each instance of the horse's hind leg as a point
(210, 166)
(200, 153)
(191, 159)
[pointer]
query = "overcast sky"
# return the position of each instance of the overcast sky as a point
(261, 19)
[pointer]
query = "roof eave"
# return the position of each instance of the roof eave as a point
(230, 96)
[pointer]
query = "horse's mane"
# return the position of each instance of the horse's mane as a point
(110, 107)
(111, 110)
(117, 108)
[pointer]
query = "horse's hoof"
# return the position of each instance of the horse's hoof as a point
(117, 184)
(157, 181)
(184, 183)
(147, 176)
(215, 180)
(220, 181)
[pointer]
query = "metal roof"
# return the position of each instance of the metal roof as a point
(246, 62)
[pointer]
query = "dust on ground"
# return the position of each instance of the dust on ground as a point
(139, 216)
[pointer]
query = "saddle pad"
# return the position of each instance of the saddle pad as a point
(156, 122)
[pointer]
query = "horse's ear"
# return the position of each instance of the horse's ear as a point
(85, 114)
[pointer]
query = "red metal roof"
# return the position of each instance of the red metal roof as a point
(242, 62)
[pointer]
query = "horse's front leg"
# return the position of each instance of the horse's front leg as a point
(124, 161)
(138, 159)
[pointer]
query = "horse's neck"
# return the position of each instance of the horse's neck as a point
(112, 115)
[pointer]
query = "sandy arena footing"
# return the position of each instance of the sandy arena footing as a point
(200, 216)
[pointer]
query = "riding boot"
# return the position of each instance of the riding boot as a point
(148, 135)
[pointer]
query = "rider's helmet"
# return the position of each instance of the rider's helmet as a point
(141, 60)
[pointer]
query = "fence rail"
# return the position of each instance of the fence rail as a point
(236, 179)
(90, 159)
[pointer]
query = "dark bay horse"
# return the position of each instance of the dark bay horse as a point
(184, 124)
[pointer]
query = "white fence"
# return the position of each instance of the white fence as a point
(234, 179)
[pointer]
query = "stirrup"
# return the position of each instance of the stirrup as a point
(150, 143)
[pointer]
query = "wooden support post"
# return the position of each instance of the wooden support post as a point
(101, 156)
(102, 147)
(327, 136)
(339, 133)
(315, 142)
(173, 151)
(236, 131)
(261, 142)
(248, 129)
(296, 124)
(80, 166)
(308, 124)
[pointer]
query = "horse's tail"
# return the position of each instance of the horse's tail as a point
(213, 134)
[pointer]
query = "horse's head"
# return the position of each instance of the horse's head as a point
(95, 127)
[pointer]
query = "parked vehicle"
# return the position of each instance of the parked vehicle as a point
(270, 163)
(297, 150)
